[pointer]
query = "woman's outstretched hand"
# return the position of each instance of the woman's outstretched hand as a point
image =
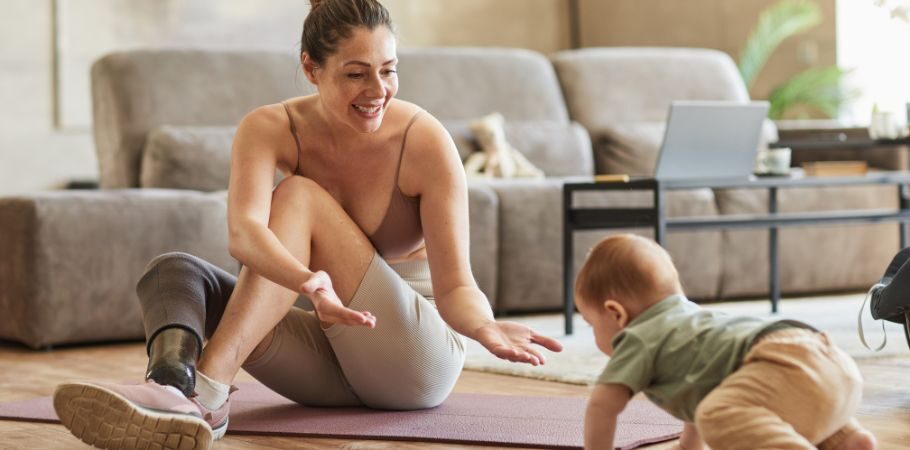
(515, 342)
(329, 309)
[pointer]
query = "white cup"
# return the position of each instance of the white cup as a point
(886, 125)
(774, 161)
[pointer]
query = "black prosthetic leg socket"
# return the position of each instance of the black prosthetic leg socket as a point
(891, 299)
(172, 359)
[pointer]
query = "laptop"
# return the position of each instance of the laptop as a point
(711, 140)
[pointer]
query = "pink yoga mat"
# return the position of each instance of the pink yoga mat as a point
(504, 420)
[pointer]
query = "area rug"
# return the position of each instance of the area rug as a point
(580, 362)
(501, 420)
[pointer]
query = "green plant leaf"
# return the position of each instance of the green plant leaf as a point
(819, 88)
(777, 23)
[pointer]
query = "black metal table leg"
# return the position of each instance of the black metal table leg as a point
(660, 220)
(567, 260)
(904, 204)
(773, 266)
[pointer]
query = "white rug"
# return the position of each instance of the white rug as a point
(580, 362)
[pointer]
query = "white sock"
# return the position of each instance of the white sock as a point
(209, 392)
(173, 390)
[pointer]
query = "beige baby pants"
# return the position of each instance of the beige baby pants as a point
(794, 390)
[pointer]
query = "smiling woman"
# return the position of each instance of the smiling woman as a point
(370, 223)
(347, 82)
(369, 47)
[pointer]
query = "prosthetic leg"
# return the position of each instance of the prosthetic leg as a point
(891, 295)
(172, 358)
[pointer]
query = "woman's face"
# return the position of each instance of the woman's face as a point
(358, 81)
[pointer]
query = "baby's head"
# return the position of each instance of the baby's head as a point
(624, 275)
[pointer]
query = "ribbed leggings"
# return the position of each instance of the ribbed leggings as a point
(410, 360)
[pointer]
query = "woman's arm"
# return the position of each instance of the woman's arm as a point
(439, 178)
(440, 181)
(262, 145)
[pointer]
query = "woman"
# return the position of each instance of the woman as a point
(370, 223)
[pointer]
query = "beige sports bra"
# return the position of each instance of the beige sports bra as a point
(400, 233)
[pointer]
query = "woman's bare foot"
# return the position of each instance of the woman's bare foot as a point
(858, 440)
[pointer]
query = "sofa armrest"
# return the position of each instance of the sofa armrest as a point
(71, 259)
(483, 209)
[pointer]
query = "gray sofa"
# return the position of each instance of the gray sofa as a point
(163, 123)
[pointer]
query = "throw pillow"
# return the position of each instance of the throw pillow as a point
(629, 148)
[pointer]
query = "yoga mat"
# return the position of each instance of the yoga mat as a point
(503, 420)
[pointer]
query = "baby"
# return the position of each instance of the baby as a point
(736, 382)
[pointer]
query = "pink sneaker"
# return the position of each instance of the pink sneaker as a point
(148, 415)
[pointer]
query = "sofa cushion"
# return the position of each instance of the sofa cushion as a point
(559, 149)
(464, 83)
(605, 86)
(629, 148)
(187, 158)
(136, 91)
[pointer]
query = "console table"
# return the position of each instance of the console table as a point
(575, 219)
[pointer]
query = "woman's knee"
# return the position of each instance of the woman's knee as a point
(297, 190)
(298, 204)
(171, 262)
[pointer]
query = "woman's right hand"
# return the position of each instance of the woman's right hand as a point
(329, 309)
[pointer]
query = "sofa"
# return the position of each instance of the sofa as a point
(164, 121)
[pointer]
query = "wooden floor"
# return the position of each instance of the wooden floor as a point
(26, 374)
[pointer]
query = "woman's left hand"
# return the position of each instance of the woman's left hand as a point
(515, 342)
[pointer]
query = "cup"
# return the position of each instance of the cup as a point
(774, 161)
(885, 125)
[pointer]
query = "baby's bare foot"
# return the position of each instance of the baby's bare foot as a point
(858, 440)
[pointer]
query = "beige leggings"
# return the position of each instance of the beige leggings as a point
(795, 390)
(410, 360)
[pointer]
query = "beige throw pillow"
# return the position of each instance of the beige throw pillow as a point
(629, 148)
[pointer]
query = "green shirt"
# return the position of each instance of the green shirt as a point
(676, 353)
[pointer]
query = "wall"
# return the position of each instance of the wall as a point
(36, 154)
(541, 25)
(32, 154)
(720, 24)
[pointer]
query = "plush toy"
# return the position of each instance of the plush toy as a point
(497, 158)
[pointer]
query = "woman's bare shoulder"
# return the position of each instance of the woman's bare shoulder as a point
(266, 129)
(277, 115)
(428, 141)
(263, 121)
(405, 108)
(428, 129)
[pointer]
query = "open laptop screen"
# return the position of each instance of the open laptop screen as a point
(711, 139)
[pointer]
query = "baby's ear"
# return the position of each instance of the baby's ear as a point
(617, 311)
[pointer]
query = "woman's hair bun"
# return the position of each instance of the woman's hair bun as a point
(315, 4)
